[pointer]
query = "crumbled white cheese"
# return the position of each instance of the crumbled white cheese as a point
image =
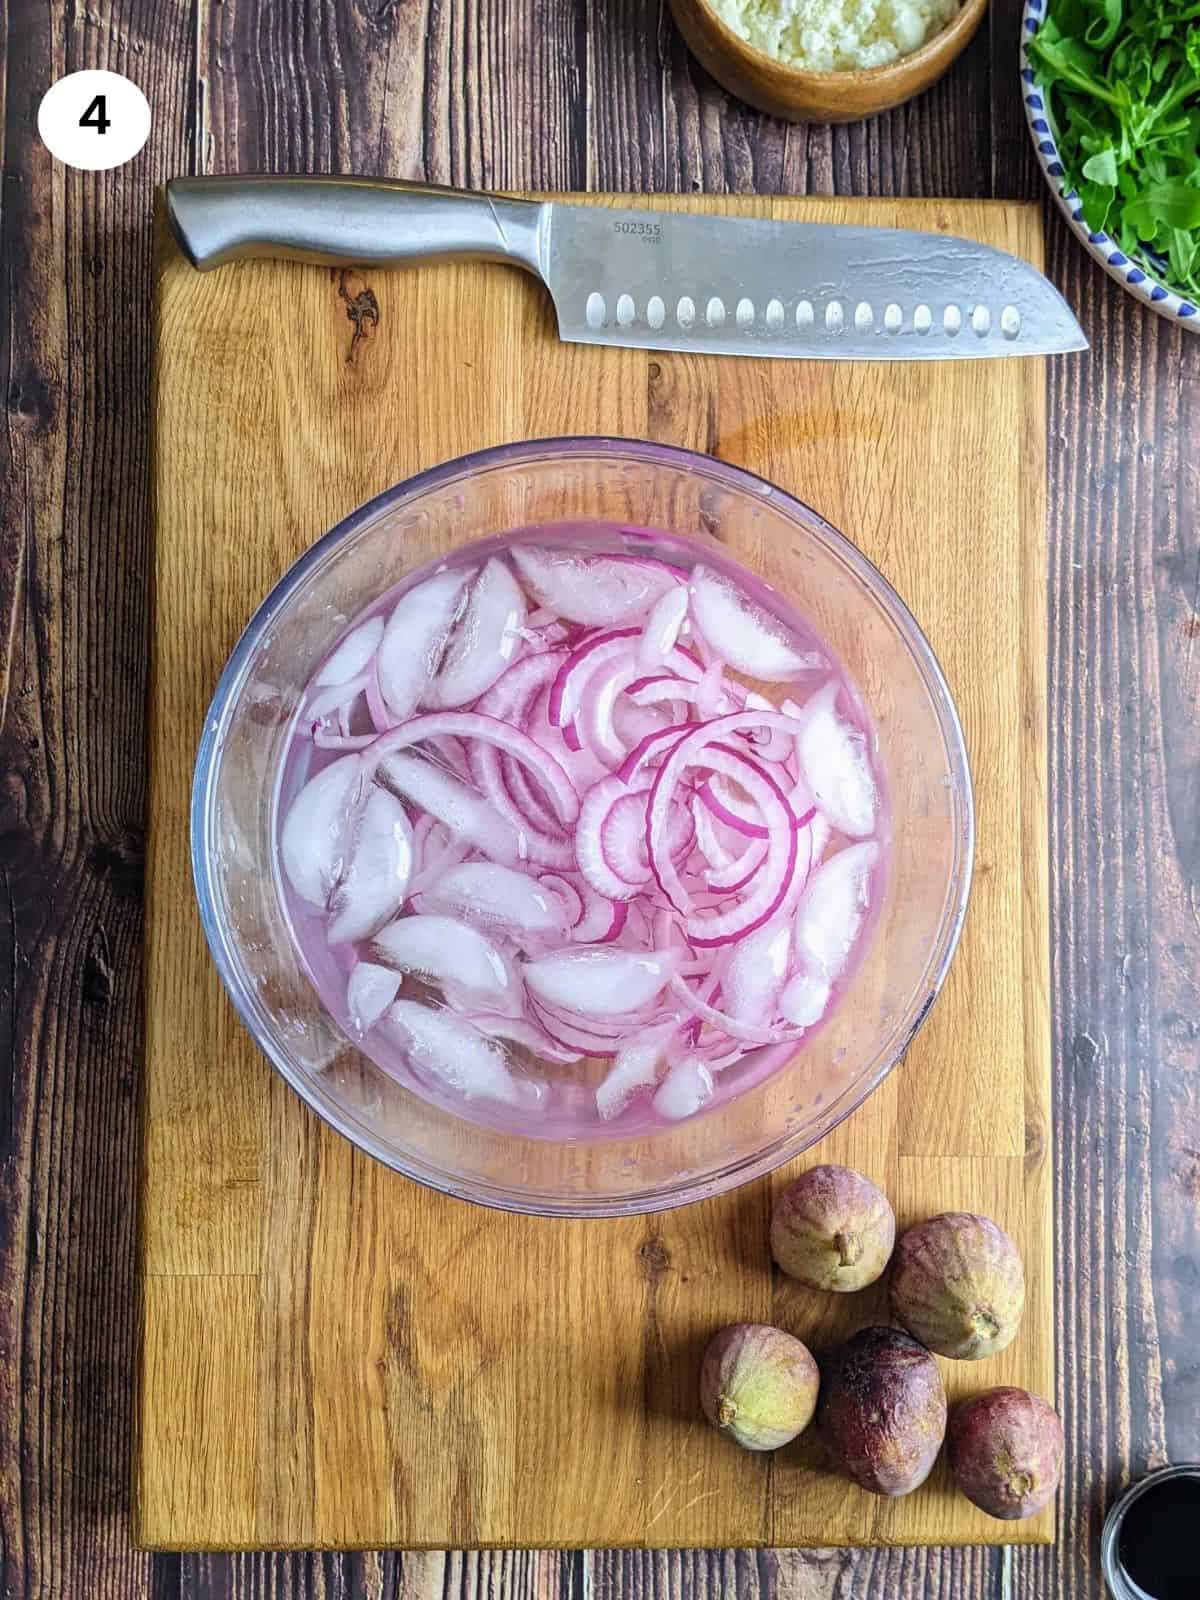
(836, 35)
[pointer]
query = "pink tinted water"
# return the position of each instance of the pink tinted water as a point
(566, 1108)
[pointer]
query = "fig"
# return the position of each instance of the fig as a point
(882, 1414)
(833, 1229)
(758, 1385)
(1006, 1452)
(958, 1285)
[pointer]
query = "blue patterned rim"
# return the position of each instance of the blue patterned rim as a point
(1141, 276)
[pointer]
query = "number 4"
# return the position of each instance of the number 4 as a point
(96, 116)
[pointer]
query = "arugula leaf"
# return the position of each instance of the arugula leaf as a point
(1122, 81)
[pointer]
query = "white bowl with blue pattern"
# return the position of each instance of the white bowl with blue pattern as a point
(1142, 275)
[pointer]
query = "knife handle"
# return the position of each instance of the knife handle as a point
(346, 222)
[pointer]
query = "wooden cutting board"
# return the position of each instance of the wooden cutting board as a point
(330, 1355)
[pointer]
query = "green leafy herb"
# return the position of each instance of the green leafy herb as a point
(1122, 79)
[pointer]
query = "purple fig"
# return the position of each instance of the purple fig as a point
(958, 1285)
(1006, 1452)
(758, 1385)
(882, 1412)
(833, 1229)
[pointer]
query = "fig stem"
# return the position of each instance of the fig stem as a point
(726, 1410)
(849, 1248)
(987, 1322)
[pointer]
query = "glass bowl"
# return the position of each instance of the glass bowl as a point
(729, 512)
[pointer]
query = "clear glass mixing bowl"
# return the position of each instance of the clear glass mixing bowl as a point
(845, 599)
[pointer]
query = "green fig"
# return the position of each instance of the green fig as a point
(758, 1385)
(958, 1285)
(833, 1229)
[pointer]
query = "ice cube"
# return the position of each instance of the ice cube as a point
(352, 655)
(370, 990)
(415, 637)
(380, 864)
(498, 897)
(601, 980)
(636, 1067)
(464, 811)
(804, 999)
(448, 951)
(485, 641)
(831, 912)
(834, 764)
(447, 1048)
(316, 830)
(599, 590)
(684, 1090)
(744, 634)
(754, 976)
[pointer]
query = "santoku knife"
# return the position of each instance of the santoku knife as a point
(659, 280)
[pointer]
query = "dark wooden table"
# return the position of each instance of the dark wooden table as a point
(548, 94)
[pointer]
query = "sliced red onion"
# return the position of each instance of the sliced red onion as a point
(615, 876)
(834, 906)
(435, 850)
(748, 1032)
(485, 640)
(511, 695)
(769, 890)
(770, 744)
(379, 866)
(727, 808)
(498, 897)
(632, 723)
(448, 799)
(661, 632)
(451, 1050)
(471, 725)
(568, 894)
(743, 634)
(370, 990)
(575, 671)
(637, 1066)
(568, 1036)
(834, 764)
(804, 999)
(600, 980)
(611, 1029)
(686, 1087)
(353, 654)
(738, 873)
(445, 950)
(711, 846)
(316, 831)
(334, 697)
(381, 717)
(603, 919)
(710, 701)
(755, 972)
(597, 590)
(527, 1034)
(415, 637)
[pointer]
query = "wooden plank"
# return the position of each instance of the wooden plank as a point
(410, 1350)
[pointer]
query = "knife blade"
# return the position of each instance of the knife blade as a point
(657, 280)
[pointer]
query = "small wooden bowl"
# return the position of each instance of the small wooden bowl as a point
(819, 96)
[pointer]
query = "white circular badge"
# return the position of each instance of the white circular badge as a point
(94, 120)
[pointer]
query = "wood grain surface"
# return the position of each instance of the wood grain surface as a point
(311, 1323)
(598, 94)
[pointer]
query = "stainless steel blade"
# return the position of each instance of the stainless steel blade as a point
(657, 279)
(747, 286)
